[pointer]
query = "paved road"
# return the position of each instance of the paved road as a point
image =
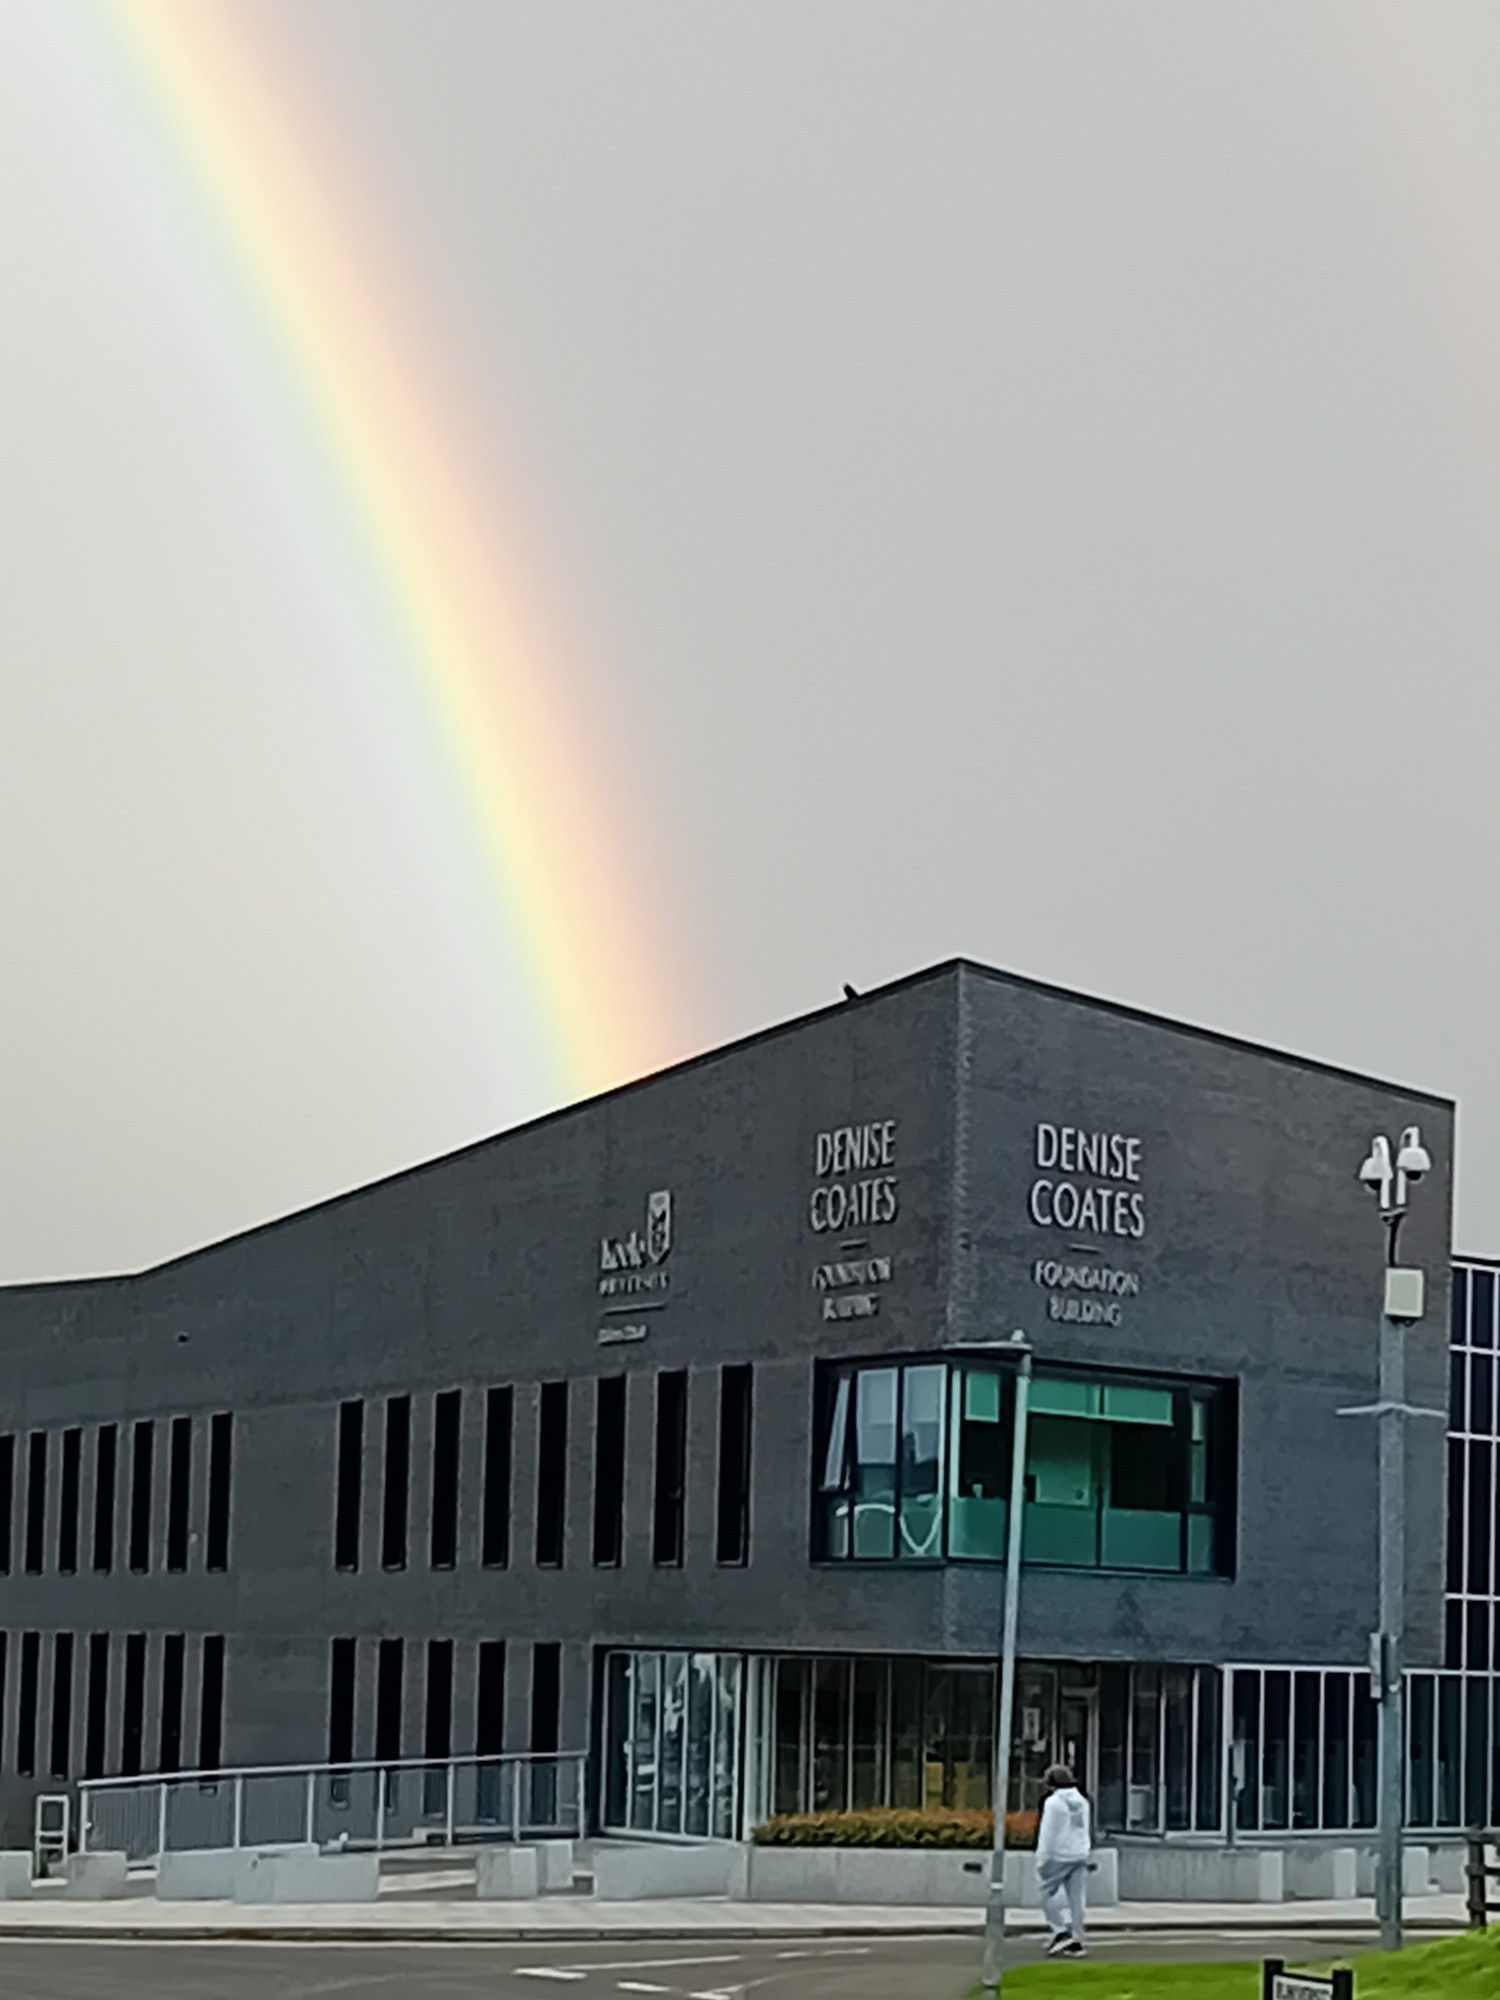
(703, 1968)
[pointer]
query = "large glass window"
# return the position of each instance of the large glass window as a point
(672, 1743)
(1122, 1472)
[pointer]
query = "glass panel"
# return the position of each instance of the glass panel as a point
(1482, 1316)
(1201, 1557)
(906, 1732)
(1336, 1750)
(727, 1746)
(1207, 1812)
(1307, 1753)
(1064, 1396)
(1129, 1405)
(830, 1744)
(1482, 1394)
(1114, 1709)
(875, 1462)
(871, 1682)
(1450, 1727)
(1142, 1808)
(1244, 1763)
(922, 1425)
(835, 1479)
(1276, 1750)
(1177, 1747)
(979, 1472)
(1481, 1517)
(618, 1677)
(700, 1724)
(1366, 1759)
(1421, 1715)
(673, 1724)
(643, 1743)
(960, 1738)
(1477, 1753)
(1062, 1493)
(791, 1696)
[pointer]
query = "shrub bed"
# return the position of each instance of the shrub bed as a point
(895, 1827)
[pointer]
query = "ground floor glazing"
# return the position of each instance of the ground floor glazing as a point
(710, 1744)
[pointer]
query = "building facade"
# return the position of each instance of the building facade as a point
(662, 1429)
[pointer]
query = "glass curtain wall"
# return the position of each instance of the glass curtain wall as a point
(1123, 1473)
(672, 1743)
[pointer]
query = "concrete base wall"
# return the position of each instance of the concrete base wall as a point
(1450, 1869)
(640, 1871)
(554, 1866)
(94, 1877)
(297, 1876)
(506, 1874)
(15, 1875)
(211, 1874)
(911, 1877)
(1322, 1874)
(1173, 1874)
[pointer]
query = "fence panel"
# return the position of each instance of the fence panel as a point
(438, 1802)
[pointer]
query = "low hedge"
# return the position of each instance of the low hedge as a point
(895, 1827)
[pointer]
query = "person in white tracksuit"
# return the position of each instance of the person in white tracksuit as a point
(1064, 1843)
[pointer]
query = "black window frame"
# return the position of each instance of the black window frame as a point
(669, 1478)
(736, 1463)
(611, 1403)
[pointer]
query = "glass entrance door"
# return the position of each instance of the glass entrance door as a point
(960, 1737)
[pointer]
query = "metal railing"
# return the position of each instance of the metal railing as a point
(408, 1803)
(1483, 1871)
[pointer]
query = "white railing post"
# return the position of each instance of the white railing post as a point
(380, 1807)
(239, 1813)
(161, 1820)
(515, 1801)
(312, 1797)
(448, 1815)
(83, 1819)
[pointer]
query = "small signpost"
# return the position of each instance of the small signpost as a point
(1484, 1899)
(1283, 1985)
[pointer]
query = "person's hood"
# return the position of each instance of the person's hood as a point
(1070, 1794)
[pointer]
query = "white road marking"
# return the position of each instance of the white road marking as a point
(641, 1986)
(587, 1965)
(830, 1951)
(546, 1972)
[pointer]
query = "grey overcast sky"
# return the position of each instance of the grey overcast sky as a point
(1022, 481)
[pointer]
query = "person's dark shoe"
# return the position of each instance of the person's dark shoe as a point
(1072, 1948)
(1057, 1943)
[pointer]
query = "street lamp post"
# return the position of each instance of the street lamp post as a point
(1389, 1174)
(1018, 1349)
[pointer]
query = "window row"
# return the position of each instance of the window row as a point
(1476, 1295)
(1472, 1613)
(81, 1703)
(62, 1527)
(1122, 1472)
(389, 1429)
(418, 1682)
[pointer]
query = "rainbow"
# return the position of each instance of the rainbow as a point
(506, 729)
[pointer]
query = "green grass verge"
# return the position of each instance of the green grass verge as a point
(1459, 1969)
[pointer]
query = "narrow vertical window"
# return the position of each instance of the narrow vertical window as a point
(437, 1737)
(179, 1491)
(671, 1466)
(397, 1482)
(142, 1439)
(447, 1418)
(67, 1506)
(211, 1704)
(96, 1721)
(133, 1706)
(546, 1694)
(732, 1542)
(609, 1470)
(173, 1655)
(489, 1713)
(388, 1697)
(349, 1493)
(495, 1526)
(552, 1474)
(7, 1499)
(61, 1744)
(36, 1501)
(220, 1487)
(106, 1445)
(342, 1660)
(31, 1648)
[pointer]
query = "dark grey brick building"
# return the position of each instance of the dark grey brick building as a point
(647, 1428)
